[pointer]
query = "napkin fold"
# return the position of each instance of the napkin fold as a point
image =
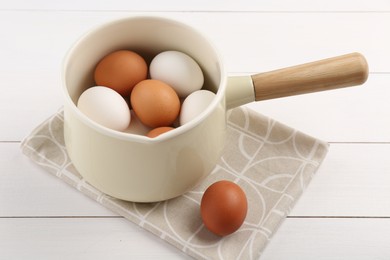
(272, 162)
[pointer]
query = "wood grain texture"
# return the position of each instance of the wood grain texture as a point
(357, 114)
(344, 212)
(199, 5)
(332, 73)
(352, 181)
(107, 238)
(80, 238)
(351, 238)
(50, 34)
(26, 190)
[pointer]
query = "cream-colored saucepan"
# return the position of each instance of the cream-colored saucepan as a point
(141, 169)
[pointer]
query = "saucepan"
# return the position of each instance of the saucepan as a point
(141, 169)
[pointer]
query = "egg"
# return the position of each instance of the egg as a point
(178, 70)
(223, 207)
(158, 131)
(195, 104)
(106, 107)
(121, 70)
(155, 103)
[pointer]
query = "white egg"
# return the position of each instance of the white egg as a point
(178, 70)
(106, 107)
(195, 104)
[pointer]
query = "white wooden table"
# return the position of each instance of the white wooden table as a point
(344, 213)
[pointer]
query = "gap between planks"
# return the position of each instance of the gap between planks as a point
(338, 217)
(329, 142)
(118, 217)
(196, 11)
(58, 217)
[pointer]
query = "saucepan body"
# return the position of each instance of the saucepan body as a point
(130, 166)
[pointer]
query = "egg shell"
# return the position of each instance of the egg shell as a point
(178, 70)
(223, 207)
(155, 103)
(121, 70)
(106, 107)
(195, 104)
(158, 131)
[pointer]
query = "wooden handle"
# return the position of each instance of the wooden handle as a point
(338, 72)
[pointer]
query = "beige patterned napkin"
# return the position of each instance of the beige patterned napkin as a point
(270, 161)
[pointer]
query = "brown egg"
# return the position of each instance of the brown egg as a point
(121, 71)
(155, 103)
(223, 207)
(158, 131)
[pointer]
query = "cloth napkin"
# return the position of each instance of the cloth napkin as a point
(272, 163)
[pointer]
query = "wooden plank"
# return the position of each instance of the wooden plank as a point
(107, 238)
(257, 42)
(80, 238)
(28, 190)
(358, 239)
(354, 180)
(26, 102)
(356, 114)
(200, 5)
(252, 36)
(249, 42)
(32, 92)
